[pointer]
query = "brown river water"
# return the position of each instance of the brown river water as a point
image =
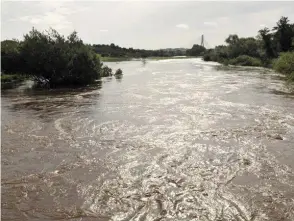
(170, 140)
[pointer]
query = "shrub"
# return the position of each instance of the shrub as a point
(291, 77)
(118, 72)
(10, 59)
(207, 57)
(106, 71)
(285, 63)
(245, 60)
(51, 58)
(5, 78)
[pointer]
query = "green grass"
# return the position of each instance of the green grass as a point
(11, 78)
(114, 59)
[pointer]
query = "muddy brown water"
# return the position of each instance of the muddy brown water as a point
(170, 140)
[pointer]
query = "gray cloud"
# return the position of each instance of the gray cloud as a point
(210, 23)
(182, 26)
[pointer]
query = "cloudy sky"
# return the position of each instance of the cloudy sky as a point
(143, 24)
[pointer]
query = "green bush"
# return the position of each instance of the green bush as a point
(245, 60)
(291, 77)
(118, 72)
(196, 50)
(10, 56)
(57, 61)
(285, 63)
(106, 71)
(7, 78)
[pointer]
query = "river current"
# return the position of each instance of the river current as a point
(177, 139)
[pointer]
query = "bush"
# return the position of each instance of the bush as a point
(106, 71)
(291, 77)
(7, 78)
(118, 72)
(207, 57)
(59, 61)
(11, 61)
(245, 60)
(196, 50)
(285, 63)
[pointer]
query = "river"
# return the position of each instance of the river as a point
(177, 139)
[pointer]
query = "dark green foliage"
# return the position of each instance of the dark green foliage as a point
(267, 42)
(285, 64)
(118, 72)
(245, 60)
(232, 40)
(196, 50)
(7, 78)
(113, 50)
(10, 56)
(55, 60)
(258, 51)
(284, 33)
(106, 71)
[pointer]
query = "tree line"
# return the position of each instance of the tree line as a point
(272, 48)
(113, 50)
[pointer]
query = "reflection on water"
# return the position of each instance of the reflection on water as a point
(118, 77)
(144, 62)
(173, 140)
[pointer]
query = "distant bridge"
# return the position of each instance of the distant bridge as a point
(203, 42)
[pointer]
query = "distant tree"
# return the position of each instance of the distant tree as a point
(106, 71)
(266, 36)
(232, 39)
(283, 34)
(196, 50)
(118, 72)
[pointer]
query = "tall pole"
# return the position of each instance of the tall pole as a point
(202, 40)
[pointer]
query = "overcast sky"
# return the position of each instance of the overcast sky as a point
(143, 24)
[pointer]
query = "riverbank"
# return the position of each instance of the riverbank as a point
(10, 80)
(284, 64)
(118, 59)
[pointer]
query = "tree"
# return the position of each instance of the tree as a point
(10, 56)
(267, 42)
(283, 35)
(106, 71)
(196, 50)
(118, 72)
(52, 58)
(232, 39)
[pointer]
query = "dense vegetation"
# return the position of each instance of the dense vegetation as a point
(285, 64)
(271, 48)
(116, 51)
(51, 59)
(196, 50)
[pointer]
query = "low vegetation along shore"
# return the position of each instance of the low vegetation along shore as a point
(52, 60)
(271, 48)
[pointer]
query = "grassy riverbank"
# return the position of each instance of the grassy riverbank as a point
(114, 59)
(10, 80)
(13, 78)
